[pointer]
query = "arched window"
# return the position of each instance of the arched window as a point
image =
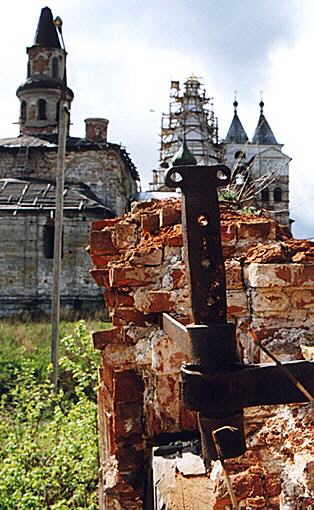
(57, 111)
(277, 195)
(240, 155)
(265, 195)
(42, 104)
(28, 69)
(55, 67)
(23, 111)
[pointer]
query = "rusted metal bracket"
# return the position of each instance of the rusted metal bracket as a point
(201, 238)
(216, 384)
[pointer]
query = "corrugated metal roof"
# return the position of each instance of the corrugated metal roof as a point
(30, 194)
(144, 196)
(25, 141)
(73, 142)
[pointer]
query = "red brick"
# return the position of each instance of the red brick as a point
(303, 274)
(129, 457)
(237, 303)
(101, 224)
(169, 216)
(129, 276)
(107, 376)
(188, 419)
(228, 251)
(228, 233)
(125, 316)
(106, 399)
(101, 277)
(256, 230)
(110, 298)
(270, 300)
(124, 235)
(155, 301)
(128, 386)
(269, 275)
(153, 257)
(178, 278)
(128, 419)
(101, 261)
(233, 274)
(175, 239)
(124, 299)
(150, 222)
(303, 298)
(101, 242)
(107, 336)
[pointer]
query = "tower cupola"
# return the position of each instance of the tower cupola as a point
(263, 134)
(236, 132)
(46, 80)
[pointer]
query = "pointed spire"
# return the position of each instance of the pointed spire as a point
(263, 134)
(184, 157)
(46, 33)
(236, 132)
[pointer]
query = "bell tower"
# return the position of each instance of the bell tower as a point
(46, 80)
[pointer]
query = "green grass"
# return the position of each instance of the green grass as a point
(21, 340)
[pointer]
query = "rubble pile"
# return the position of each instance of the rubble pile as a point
(138, 261)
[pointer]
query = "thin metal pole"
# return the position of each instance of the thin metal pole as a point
(225, 471)
(292, 377)
(57, 253)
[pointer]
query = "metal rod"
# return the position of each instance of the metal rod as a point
(225, 471)
(292, 377)
(55, 308)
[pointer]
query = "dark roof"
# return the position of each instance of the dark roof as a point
(28, 194)
(263, 134)
(46, 33)
(236, 132)
(35, 82)
(50, 142)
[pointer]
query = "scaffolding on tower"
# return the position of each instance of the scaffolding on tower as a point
(191, 119)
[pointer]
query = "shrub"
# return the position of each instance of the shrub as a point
(48, 440)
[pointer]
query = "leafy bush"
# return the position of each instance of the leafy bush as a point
(48, 440)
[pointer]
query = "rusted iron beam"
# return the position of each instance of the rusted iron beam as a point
(201, 237)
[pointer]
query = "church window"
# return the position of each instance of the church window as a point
(57, 111)
(277, 195)
(240, 155)
(23, 111)
(265, 195)
(49, 234)
(42, 107)
(55, 67)
(48, 240)
(28, 69)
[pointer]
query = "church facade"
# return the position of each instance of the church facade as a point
(100, 179)
(261, 161)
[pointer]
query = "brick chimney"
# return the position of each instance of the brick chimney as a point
(96, 129)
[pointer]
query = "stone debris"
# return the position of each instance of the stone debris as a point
(138, 262)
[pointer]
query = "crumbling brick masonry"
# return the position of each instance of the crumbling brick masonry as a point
(270, 279)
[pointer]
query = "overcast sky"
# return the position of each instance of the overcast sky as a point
(123, 54)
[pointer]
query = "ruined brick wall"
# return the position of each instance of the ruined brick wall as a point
(270, 279)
